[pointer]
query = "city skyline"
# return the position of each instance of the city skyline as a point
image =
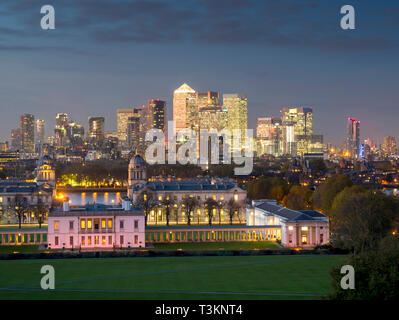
(106, 55)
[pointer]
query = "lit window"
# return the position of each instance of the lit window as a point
(88, 223)
(83, 224)
(103, 223)
(235, 196)
(290, 228)
(89, 240)
(103, 240)
(1, 199)
(83, 241)
(221, 197)
(214, 197)
(145, 197)
(109, 223)
(56, 225)
(304, 228)
(160, 198)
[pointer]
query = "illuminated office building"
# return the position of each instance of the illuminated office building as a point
(237, 108)
(27, 126)
(207, 99)
(122, 120)
(156, 114)
(61, 120)
(96, 128)
(353, 138)
(269, 136)
(15, 139)
(40, 131)
(389, 146)
(299, 136)
(185, 110)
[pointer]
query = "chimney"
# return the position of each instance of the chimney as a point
(125, 204)
(65, 205)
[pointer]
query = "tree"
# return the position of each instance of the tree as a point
(360, 218)
(210, 205)
(147, 202)
(190, 203)
(21, 208)
(40, 211)
(233, 207)
(219, 207)
(324, 195)
(167, 205)
(299, 198)
(376, 274)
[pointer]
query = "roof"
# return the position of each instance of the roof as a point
(18, 186)
(137, 160)
(290, 214)
(205, 185)
(87, 213)
(185, 88)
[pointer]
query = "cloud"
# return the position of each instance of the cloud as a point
(285, 23)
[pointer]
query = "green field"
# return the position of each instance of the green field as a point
(253, 277)
(239, 245)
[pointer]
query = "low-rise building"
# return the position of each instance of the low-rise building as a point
(95, 227)
(298, 228)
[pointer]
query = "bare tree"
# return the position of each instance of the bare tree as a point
(21, 208)
(40, 211)
(146, 201)
(234, 206)
(219, 207)
(167, 205)
(190, 203)
(210, 204)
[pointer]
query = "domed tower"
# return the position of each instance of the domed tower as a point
(45, 173)
(137, 174)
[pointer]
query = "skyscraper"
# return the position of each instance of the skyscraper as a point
(40, 131)
(353, 138)
(389, 146)
(207, 99)
(185, 110)
(61, 119)
(61, 123)
(269, 136)
(299, 137)
(237, 107)
(16, 139)
(27, 126)
(156, 114)
(96, 128)
(122, 120)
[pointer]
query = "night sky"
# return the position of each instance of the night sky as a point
(106, 54)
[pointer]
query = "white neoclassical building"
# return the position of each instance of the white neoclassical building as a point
(95, 227)
(221, 190)
(298, 228)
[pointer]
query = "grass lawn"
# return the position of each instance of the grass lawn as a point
(21, 249)
(177, 278)
(244, 245)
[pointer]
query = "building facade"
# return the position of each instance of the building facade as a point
(185, 110)
(95, 228)
(27, 127)
(353, 138)
(225, 192)
(298, 228)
